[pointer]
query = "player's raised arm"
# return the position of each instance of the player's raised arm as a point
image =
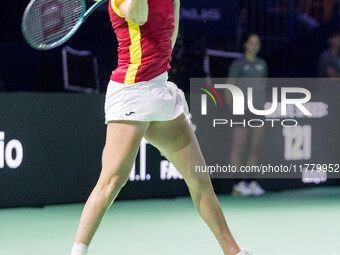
(134, 10)
(176, 15)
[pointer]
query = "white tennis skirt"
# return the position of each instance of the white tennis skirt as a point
(154, 100)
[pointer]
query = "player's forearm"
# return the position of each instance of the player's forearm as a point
(176, 15)
(135, 10)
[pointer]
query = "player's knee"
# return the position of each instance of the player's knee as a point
(116, 184)
(110, 187)
(199, 183)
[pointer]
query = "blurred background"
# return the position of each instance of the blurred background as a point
(287, 28)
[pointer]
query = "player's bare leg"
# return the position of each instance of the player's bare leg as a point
(173, 138)
(121, 148)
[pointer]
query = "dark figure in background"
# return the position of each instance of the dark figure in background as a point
(247, 139)
(329, 62)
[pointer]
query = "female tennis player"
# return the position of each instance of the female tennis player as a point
(140, 102)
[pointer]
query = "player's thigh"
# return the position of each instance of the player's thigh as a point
(121, 147)
(176, 140)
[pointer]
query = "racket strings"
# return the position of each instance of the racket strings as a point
(48, 21)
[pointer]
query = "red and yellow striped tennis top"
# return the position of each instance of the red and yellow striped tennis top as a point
(144, 52)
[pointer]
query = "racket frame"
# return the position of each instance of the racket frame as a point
(81, 20)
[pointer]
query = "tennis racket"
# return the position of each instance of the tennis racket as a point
(46, 24)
